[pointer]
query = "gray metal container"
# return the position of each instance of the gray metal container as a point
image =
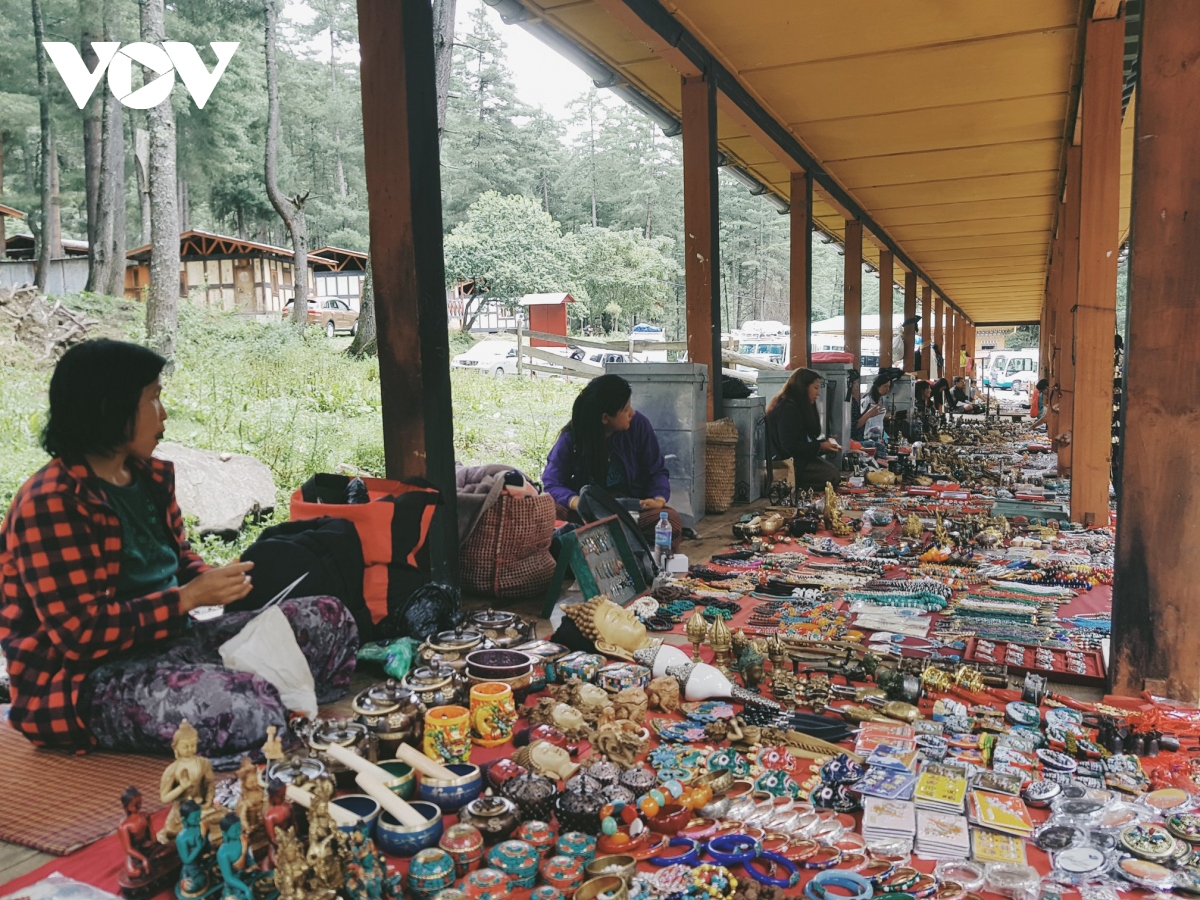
(749, 416)
(771, 383)
(834, 404)
(674, 397)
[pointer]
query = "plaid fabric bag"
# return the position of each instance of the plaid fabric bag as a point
(508, 554)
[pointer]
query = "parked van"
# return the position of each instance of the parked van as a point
(1005, 365)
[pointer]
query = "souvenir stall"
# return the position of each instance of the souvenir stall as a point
(860, 698)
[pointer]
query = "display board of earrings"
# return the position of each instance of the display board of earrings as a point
(1070, 666)
(599, 557)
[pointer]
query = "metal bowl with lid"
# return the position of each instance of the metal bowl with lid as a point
(451, 647)
(503, 628)
(438, 684)
(327, 732)
(392, 713)
(298, 767)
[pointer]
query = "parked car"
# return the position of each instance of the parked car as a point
(597, 357)
(330, 313)
(494, 357)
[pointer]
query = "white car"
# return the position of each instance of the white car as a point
(1023, 382)
(494, 357)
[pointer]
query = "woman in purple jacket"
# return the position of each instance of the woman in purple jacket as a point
(606, 443)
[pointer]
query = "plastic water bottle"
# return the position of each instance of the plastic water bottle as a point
(662, 540)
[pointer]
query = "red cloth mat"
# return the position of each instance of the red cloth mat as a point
(56, 802)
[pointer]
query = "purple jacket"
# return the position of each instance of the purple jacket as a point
(637, 449)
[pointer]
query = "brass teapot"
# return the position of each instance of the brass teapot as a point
(393, 714)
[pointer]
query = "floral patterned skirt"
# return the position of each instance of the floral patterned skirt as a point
(135, 703)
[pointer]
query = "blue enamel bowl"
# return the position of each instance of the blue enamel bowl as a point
(452, 796)
(361, 805)
(395, 839)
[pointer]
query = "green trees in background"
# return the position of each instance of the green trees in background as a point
(598, 182)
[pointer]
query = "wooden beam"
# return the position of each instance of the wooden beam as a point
(1064, 330)
(800, 276)
(852, 305)
(1156, 596)
(939, 338)
(927, 364)
(886, 286)
(702, 232)
(404, 186)
(1106, 9)
(1096, 306)
(910, 310)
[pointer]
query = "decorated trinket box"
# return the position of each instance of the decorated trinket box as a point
(565, 873)
(430, 871)
(518, 860)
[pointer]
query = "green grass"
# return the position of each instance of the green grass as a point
(292, 399)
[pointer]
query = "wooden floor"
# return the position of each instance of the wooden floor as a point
(714, 535)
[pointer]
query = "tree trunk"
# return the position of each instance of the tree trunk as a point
(365, 341)
(290, 209)
(443, 55)
(2, 237)
(141, 166)
(50, 227)
(92, 152)
(185, 207)
(162, 300)
(112, 193)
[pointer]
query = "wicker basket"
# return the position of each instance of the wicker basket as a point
(720, 460)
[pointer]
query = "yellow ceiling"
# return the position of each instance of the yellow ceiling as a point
(945, 120)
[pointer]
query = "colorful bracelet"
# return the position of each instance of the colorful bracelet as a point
(818, 888)
(732, 849)
(826, 857)
(690, 858)
(716, 881)
(774, 860)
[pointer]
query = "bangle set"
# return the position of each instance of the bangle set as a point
(733, 849)
(774, 861)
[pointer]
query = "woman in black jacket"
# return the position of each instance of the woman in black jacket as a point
(794, 431)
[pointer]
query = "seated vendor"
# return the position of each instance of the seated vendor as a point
(1038, 407)
(794, 431)
(607, 444)
(961, 397)
(867, 425)
(97, 582)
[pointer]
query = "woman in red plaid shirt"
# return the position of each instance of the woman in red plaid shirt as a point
(97, 581)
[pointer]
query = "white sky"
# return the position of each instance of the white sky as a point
(543, 78)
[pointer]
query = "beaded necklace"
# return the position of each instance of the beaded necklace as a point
(924, 600)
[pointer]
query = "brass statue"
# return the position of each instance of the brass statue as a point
(189, 777)
(721, 642)
(941, 537)
(697, 631)
(834, 522)
(913, 529)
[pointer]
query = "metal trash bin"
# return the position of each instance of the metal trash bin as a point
(674, 397)
(834, 402)
(750, 417)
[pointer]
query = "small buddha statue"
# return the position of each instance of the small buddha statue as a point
(272, 748)
(277, 817)
(615, 630)
(251, 804)
(146, 860)
(195, 852)
(234, 859)
(833, 514)
(189, 777)
(546, 759)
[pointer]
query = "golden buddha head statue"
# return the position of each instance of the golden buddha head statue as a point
(185, 740)
(615, 630)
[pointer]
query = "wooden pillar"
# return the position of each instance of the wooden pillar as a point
(1064, 329)
(852, 306)
(1156, 597)
(927, 363)
(951, 344)
(910, 310)
(886, 285)
(1049, 355)
(400, 145)
(1096, 306)
(939, 338)
(701, 244)
(800, 281)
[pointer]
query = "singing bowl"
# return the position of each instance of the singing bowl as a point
(404, 780)
(361, 805)
(395, 839)
(453, 794)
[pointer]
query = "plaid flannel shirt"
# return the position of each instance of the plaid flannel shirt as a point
(60, 554)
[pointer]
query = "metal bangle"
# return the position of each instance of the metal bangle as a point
(690, 858)
(775, 859)
(732, 849)
(826, 857)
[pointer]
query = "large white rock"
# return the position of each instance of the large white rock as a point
(221, 490)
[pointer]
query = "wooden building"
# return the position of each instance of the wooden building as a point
(23, 246)
(343, 277)
(548, 314)
(227, 272)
